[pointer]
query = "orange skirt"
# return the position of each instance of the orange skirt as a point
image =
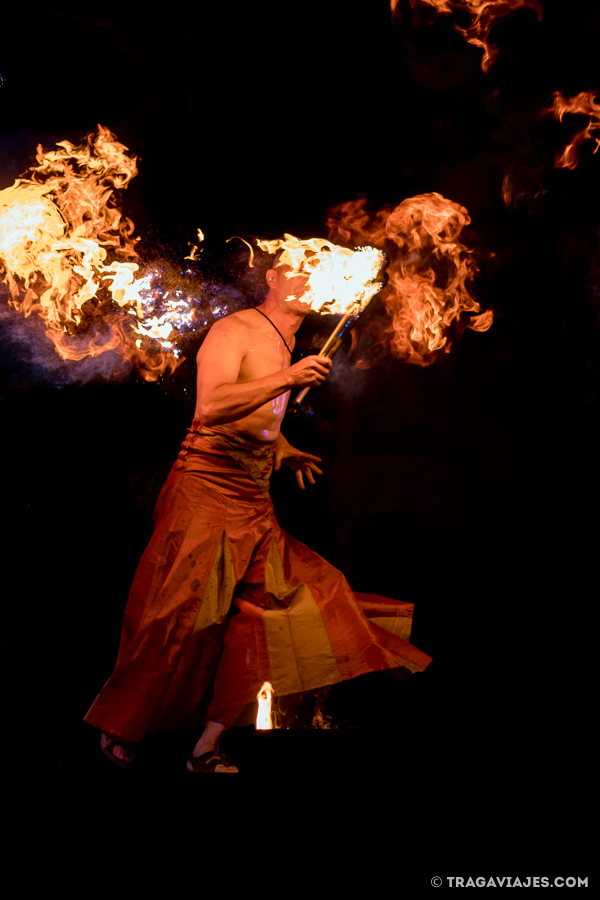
(224, 600)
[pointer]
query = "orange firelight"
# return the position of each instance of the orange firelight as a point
(68, 255)
(583, 104)
(483, 14)
(429, 270)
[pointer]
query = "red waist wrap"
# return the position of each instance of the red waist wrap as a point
(224, 600)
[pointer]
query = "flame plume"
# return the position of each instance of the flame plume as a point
(68, 255)
(428, 270)
(583, 104)
(483, 14)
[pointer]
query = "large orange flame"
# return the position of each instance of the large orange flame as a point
(428, 270)
(483, 14)
(583, 104)
(68, 255)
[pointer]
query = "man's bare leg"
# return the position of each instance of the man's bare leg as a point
(209, 742)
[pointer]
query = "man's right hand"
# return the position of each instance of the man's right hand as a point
(310, 371)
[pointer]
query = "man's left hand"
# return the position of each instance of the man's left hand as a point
(302, 463)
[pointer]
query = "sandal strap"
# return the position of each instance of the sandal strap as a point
(208, 762)
(109, 742)
(113, 740)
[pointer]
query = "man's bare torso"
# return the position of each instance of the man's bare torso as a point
(265, 354)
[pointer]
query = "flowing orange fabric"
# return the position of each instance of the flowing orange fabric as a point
(224, 600)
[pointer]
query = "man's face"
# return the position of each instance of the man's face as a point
(286, 287)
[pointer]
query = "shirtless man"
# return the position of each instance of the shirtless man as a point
(244, 383)
(217, 548)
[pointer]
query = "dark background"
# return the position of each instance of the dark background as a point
(469, 486)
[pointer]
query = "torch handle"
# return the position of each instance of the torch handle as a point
(326, 349)
(330, 346)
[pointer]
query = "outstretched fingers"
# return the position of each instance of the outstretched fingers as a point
(308, 469)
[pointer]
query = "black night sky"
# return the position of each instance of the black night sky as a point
(469, 486)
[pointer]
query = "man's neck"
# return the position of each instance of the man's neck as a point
(287, 320)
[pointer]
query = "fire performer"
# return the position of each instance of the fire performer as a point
(217, 549)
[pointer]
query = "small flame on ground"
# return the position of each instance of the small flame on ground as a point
(583, 104)
(340, 281)
(483, 13)
(263, 718)
(428, 270)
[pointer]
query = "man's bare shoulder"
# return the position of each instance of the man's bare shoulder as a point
(245, 317)
(243, 321)
(234, 321)
(232, 329)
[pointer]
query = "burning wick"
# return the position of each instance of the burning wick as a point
(263, 719)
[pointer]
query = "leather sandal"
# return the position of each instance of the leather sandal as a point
(109, 741)
(208, 762)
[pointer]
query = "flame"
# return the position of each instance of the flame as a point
(483, 15)
(68, 255)
(428, 270)
(583, 104)
(193, 249)
(340, 281)
(263, 718)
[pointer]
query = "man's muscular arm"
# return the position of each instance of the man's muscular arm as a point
(221, 398)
